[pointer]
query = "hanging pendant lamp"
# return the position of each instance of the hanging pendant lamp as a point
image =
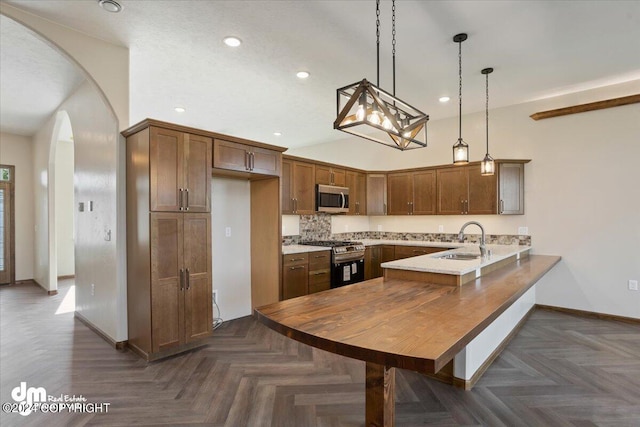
(367, 111)
(460, 148)
(488, 165)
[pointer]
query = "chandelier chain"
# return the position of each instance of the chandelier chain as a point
(460, 89)
(378, 41)
(393, 42)
(487, 111)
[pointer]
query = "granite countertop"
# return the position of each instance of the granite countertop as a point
(376, 242)
(299, 249)
(432, 263)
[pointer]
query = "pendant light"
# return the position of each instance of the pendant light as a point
(367, 111)
(488, 165)
(460, 148)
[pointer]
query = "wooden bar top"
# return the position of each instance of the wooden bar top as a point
(404, 324)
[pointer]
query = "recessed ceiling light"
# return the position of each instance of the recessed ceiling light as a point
(302, 74)
(444, 99)
(232, 41)
(180, 109)
(277, 133)
(110, 5)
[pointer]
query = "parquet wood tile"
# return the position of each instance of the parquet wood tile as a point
(560, 370)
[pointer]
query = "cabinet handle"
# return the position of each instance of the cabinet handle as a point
(188, 284)
(466, 210)
(181, 199)
(462, 207)
(384, 208)
(319, 273)
(501, 206)
(411, 208)
(296, 259)
(181, 279)
(296, 268)
(320, 256)
(187, 197)
(408, 208)
(246, 160)
(252, 159)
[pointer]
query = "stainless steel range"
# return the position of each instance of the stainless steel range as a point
(347, 261)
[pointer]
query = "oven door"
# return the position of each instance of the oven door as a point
(347, 272)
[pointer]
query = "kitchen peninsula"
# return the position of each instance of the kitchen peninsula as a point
(398, 323)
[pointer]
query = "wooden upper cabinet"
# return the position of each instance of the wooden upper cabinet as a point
(180, 172)
(357, 184)
(399, 193)
(245, 158)
(453, 190)
(483, 192)
(424, 192)
(511, 188)
(376, 194)
(327, 175)
(298, 188)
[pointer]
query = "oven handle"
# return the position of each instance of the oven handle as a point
(339, 259)
(344, 200)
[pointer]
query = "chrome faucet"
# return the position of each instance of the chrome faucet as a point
(483, 248)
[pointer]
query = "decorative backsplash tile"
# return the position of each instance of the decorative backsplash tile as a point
(318, 227)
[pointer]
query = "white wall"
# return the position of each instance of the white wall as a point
(17, 150)
(231, 207)
(109, 69)
(65, 208)
(290, 225)
(580, 190)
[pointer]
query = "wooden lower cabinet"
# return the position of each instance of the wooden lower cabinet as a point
(402, 251)
(305, 273)
(180, 288)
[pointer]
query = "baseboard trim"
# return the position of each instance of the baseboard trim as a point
(70, 276)
(118, 345)
(592, 314)
(469, 384)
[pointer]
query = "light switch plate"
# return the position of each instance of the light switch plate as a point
(633, 285)
(523, 231)
(227, 231)
(441, 229)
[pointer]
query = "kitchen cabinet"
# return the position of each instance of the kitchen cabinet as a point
(462, 190)
(328, 175)
(181, 309)
(305, 273)
(179, 171)
(402, 251)
(411, 193)
(511, 188)
(298, 187)
(376, 194)
(239, 157)
(169, 280)
(357, 184)
(372, 261)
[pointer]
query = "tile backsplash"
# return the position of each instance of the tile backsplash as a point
(318, 227)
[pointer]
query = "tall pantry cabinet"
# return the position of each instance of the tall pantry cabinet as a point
(168, 240)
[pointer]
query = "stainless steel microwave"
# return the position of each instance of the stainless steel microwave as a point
(332, 199)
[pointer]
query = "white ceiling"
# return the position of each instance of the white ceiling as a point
(537, 48)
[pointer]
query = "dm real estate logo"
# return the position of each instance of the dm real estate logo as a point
(28, 398)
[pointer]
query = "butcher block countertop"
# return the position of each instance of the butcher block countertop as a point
(400, 323)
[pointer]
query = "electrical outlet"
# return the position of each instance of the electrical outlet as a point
(227, 231)
(215, 296)
(346, 227)
(379, 227)
(633, 285)
(441, 229)
(93, 289)
(523, 231)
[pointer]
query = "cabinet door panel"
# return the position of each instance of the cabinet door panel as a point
(323, 175)
(197, 152)
(166, 169)
(230, 155)
(352, 184)
(286, 191)
(167, 300)
(376, 194)
(483, 192)
(295, 281)
(266, 162)
(399, 193)
(453, 189)
(304, 188)
(511, 176)
(424, 193)
(339, 177)
(197, 263)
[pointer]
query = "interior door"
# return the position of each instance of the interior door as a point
(165, 168)
(6, 235)
(198, 306)
(167, 280)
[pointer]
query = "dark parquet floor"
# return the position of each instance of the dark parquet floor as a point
(560, 370)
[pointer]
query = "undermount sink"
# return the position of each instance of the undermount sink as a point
(460, 257)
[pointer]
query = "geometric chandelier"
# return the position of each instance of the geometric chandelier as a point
(367, 111)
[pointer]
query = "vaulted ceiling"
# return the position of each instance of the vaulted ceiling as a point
(537, 48)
